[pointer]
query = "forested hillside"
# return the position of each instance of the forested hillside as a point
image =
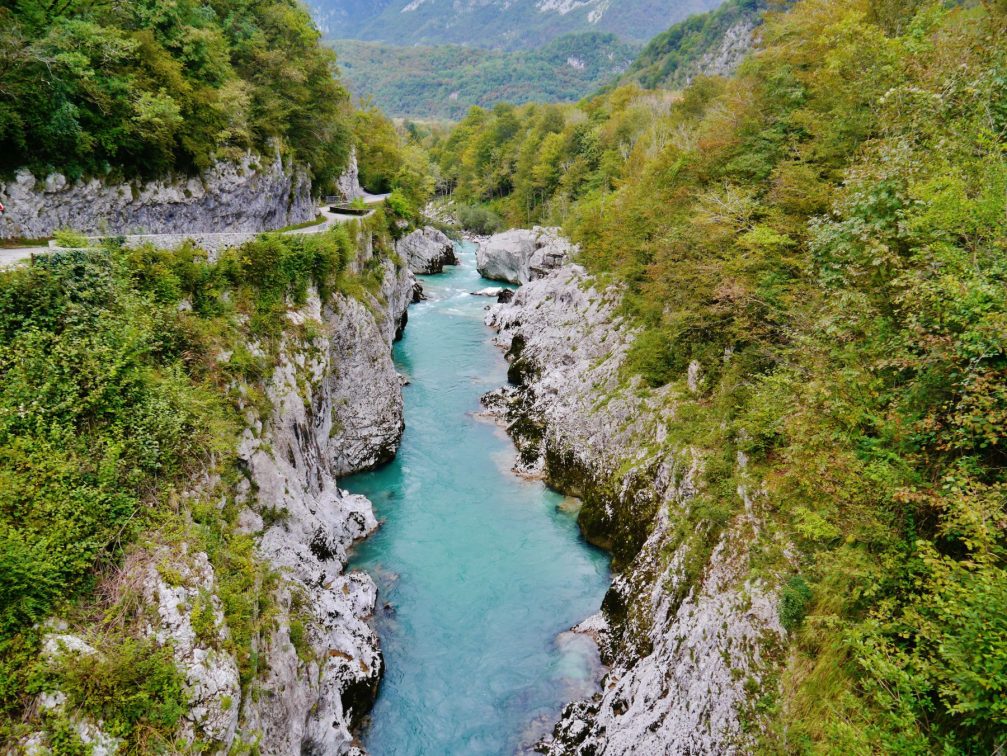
(445, 81)
(144, 88)
(818, 244)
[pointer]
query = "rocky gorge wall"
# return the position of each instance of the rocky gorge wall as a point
(254, 194)
(332, 406)
(689, 636)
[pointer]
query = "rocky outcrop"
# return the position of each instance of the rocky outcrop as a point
(686, 646)
(254, 194)
(521, 255)
(348, 184)
(737, 42)
(426, 250)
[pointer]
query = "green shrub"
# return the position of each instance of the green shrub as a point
(479, 220)
(794, 600)
(132, 686)
(70, 239)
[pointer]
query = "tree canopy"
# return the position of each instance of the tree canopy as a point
(92, 87)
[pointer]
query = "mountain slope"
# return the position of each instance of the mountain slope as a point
(510, 24)
(445, 81)
(711, 43)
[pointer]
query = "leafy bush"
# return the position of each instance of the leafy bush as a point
(132, 687)
(69, 239)
(794, 600)
(479, 220)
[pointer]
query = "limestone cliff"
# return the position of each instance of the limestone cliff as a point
(688, 634)
(330, 405)
(253, 194)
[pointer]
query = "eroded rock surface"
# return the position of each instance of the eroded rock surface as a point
(348, 184)
(254, 194)
(521, 255)
(337, 408)
(334, 407)
(427, 250)
(684, 650)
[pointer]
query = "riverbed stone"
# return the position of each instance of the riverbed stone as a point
(427, 250)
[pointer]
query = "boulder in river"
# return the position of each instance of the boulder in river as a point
(427, 250)
(522, 255)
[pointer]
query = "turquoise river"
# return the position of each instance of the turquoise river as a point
(479, 571)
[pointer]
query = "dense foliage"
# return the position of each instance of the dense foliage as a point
(125, 376)
(445, 81)
(142, 88)
(391, 160)
(823, 235)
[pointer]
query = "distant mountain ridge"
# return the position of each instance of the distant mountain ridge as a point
(445, 81)
(503, 24)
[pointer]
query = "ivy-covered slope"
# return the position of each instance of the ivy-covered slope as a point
(813, 253)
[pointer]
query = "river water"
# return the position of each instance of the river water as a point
(479, 572)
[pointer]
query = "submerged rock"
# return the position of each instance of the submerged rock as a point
(521, 255)
(426, 250)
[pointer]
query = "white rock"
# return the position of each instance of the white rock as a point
(426, 250)
(687, 693)
(337, 408)
(521, 255)
(213, 687)
(348, 184)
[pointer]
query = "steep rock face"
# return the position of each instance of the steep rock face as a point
(723, 59)
(255, 194)
(685, 647)
(521, 255)
(337, 408)
(211, 674)
(427, 250)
